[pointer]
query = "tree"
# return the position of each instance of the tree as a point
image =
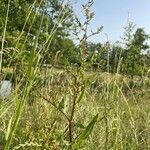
(130, 55)
(31, 25)
(116, 58)
(64, 52)
(134, 51)
(97, 55)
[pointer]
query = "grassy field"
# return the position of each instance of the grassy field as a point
(74, 108)
(121, 104)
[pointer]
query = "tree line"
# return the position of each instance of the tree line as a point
(31, 25)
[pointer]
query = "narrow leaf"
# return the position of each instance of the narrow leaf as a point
(9, 128)
(79, 125)
(81, 96)
(61, 104)
(86, 132)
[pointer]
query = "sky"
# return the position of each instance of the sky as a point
(113, 15)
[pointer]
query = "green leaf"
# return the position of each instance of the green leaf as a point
(81, 95)
(79, 125)
(86, 133)
(9, 128)
(61, 104)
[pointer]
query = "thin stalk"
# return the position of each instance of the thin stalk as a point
(70, 127)
(107, 98)
(3, 38)
(17, 116)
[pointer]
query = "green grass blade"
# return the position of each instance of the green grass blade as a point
(86, 132)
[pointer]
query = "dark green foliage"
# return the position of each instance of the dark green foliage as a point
(37, 20)
(63, 52)
(97, 56)
(132, 60)
(115, 57)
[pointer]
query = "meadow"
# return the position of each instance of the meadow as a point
(70, 94)
(121, 107)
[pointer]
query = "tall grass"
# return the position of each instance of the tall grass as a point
(72, 108)
(25, 80)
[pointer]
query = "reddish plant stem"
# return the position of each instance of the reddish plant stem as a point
(72, 114)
